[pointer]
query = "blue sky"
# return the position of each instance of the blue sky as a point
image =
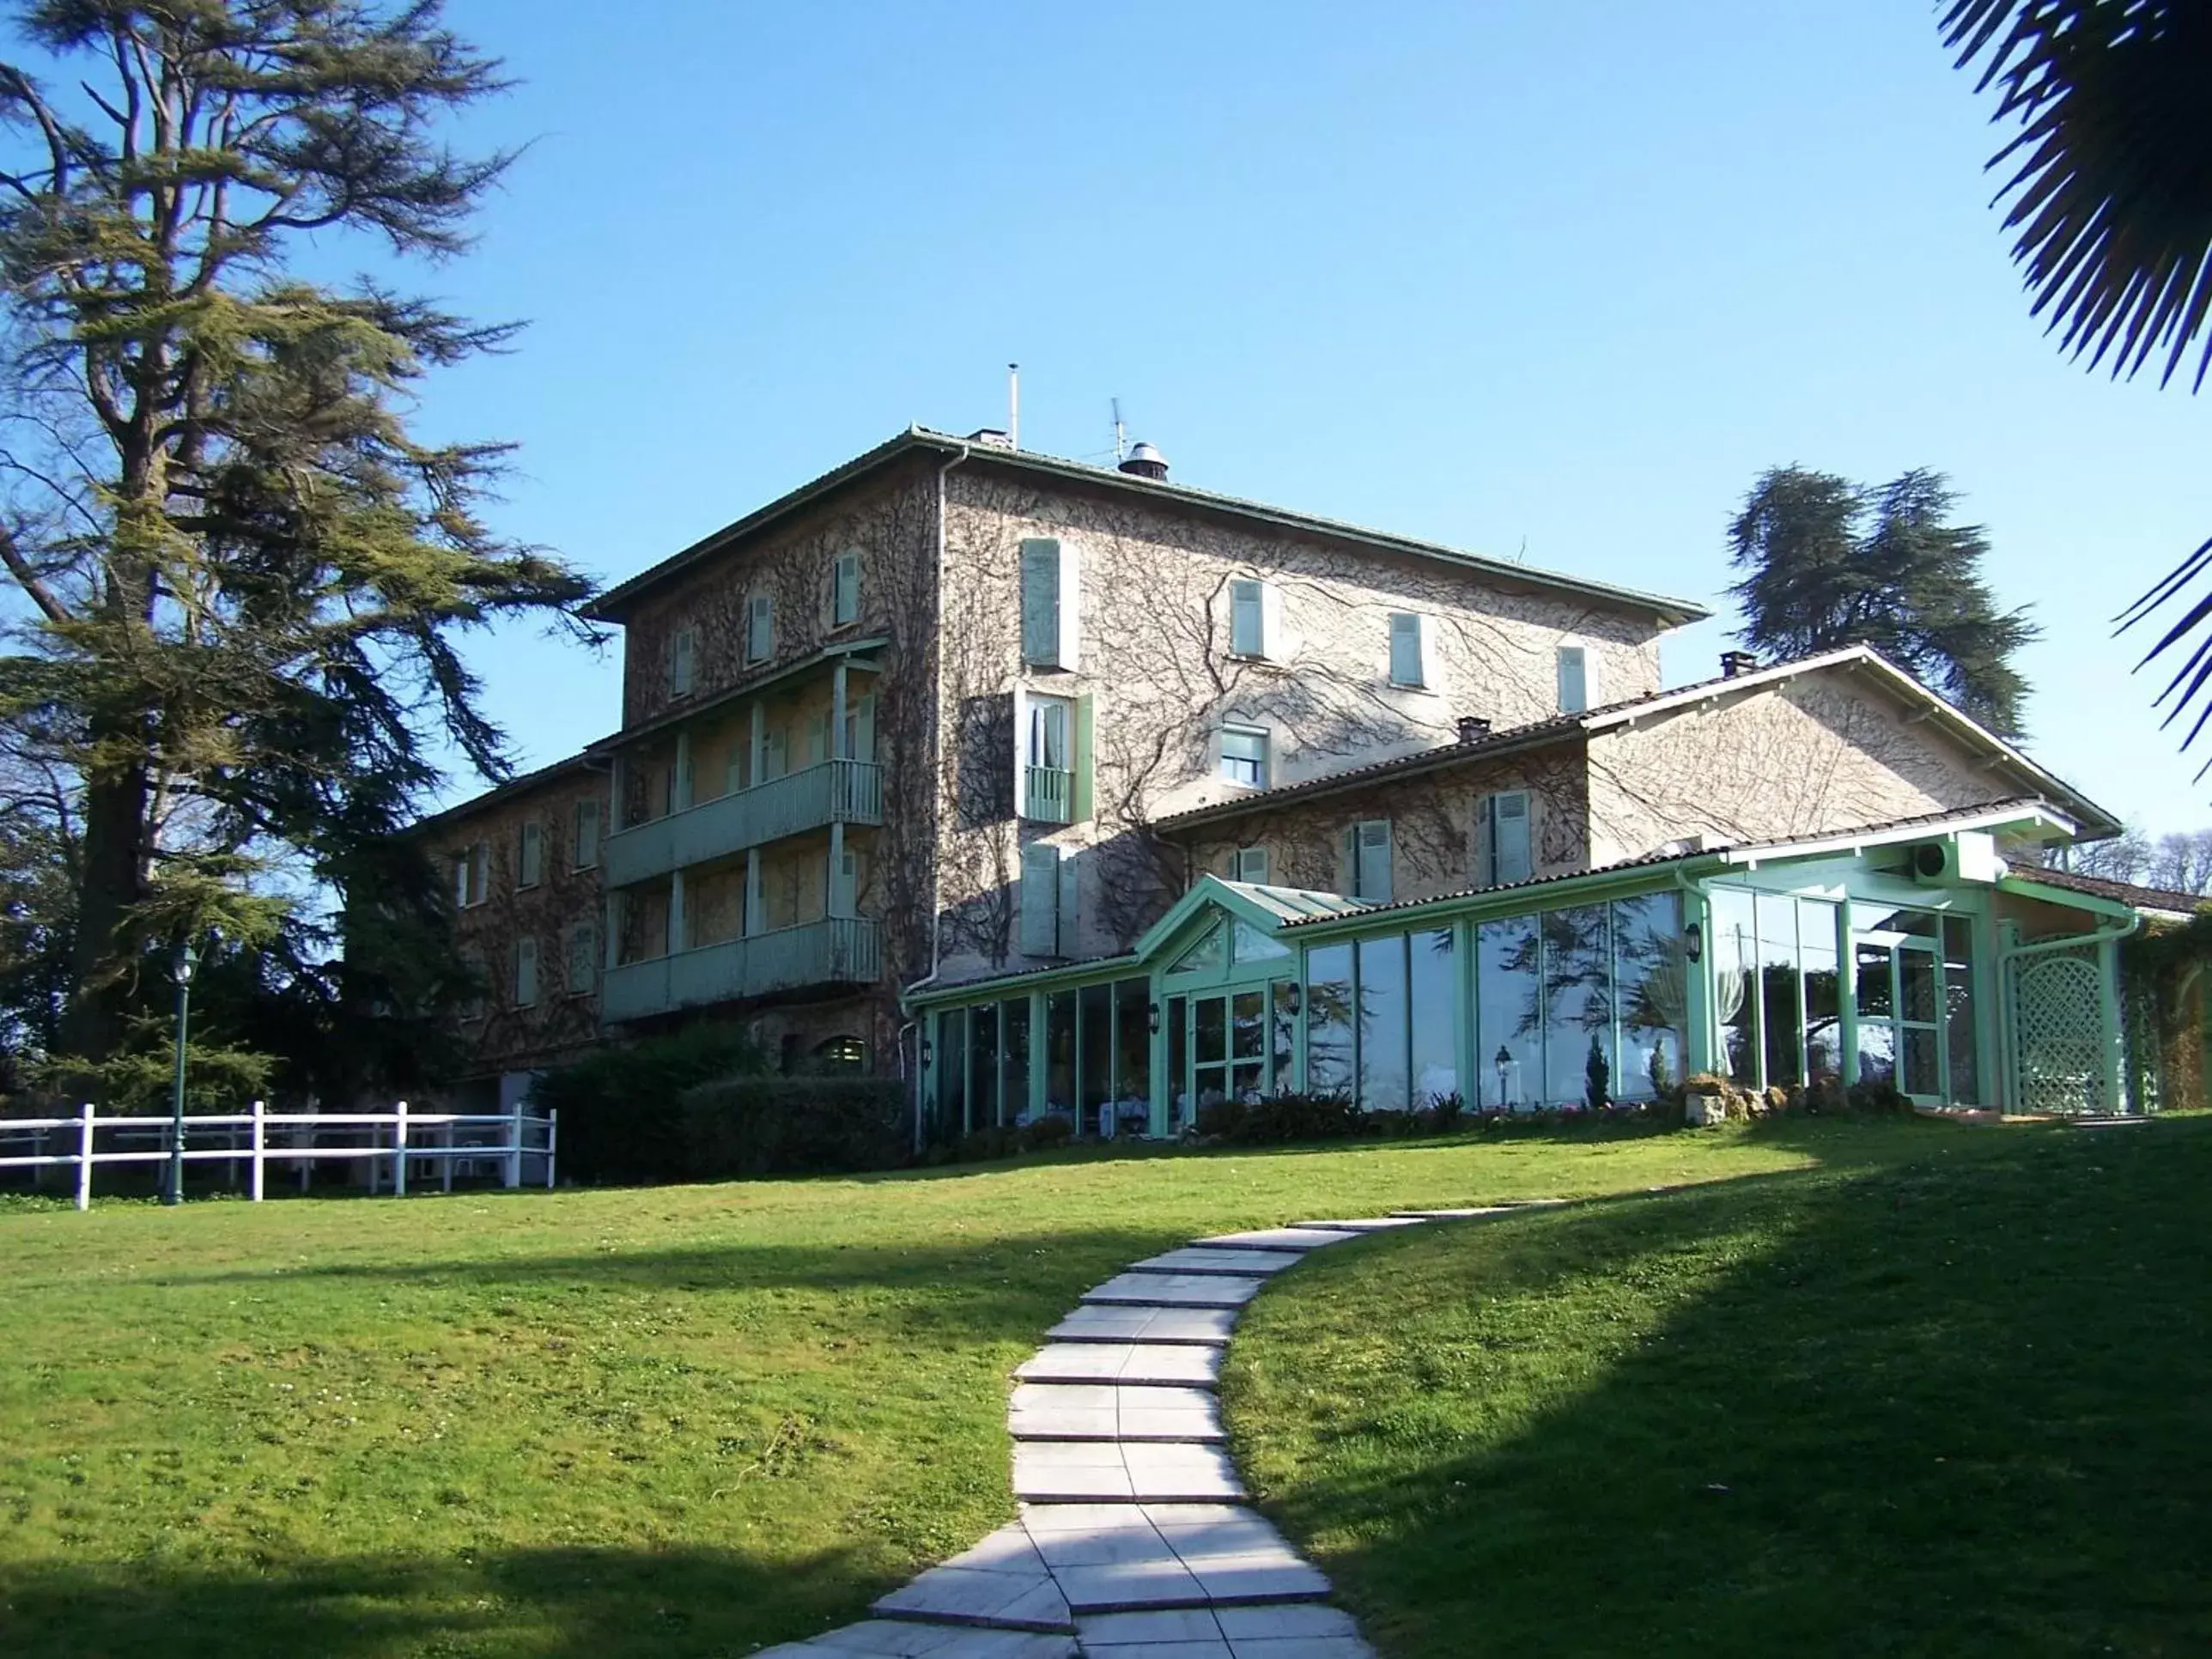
(1553, 278)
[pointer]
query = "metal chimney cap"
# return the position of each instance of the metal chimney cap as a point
(1472, 728)
(1144, 461)
(1733, 663)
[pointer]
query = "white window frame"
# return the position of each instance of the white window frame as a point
(682, 660)
(1255, 619)
(472, 875)
(1584, 661)
(1265, 762)
(845, 589)
(1411, 635)
(584, 843)
(526, 975)
(1495, 872)
(1357, 843)
(530, 855)
(583, 949)
(1249, 865)
(1049, 621)
(760, 627)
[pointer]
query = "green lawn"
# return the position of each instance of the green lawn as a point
(685, 1420)
(1957, 1407)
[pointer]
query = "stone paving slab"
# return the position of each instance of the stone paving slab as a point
(1188, 1364)
(1176, 1290)
(1099, 1322)
(1197, 1258)
(1007, 1550)
(1456, 1215)
(1310, 1236)
(1123, 1472)
(1124, 1586)
(1293, 1631)
(968, 1595)
(1058, 1411)
(1373, 1223)
(898, 1639)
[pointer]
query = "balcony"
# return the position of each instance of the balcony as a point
(836, 792)
(1045, 797)
(840, 950)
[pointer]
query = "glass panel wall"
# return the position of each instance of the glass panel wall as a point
(1651, 990)
(1432, 983)
(1578, 995)
(1059, 1055)
(1509, 1005)
(1210, 1050)
(1961, 1034)
(1283, 1050)
(1014, 1060)
(1132, 1056)
(1736, 981)
(948, 1057)
(983, 1111)
(1178, 1015)
(1776, 988)
(1329, 1020)
(1382, 1023)
(1096, 1017)
(1781, 996)
(1817, 922)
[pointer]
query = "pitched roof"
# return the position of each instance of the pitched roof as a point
(499, 794)
(2125, 892)
(1888, 830)
(615, 605)
(1558, 729)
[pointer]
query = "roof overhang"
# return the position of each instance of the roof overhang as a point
(691, 710)
(619, 602)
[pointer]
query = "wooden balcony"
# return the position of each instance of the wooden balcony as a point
(836, 792)
(840, 950)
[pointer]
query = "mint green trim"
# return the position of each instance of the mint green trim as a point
(1466, 1056)
(1520, 900)
(2028, 887)
(1073, 976)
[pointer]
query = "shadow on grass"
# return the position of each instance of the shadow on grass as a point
(577, 1603)
(1954, 1408)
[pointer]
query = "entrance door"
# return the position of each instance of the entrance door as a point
(1232, 1041)
(1911, 1033)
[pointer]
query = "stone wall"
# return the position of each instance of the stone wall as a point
(1825, 751)
(561, 1026)
(1155, 626)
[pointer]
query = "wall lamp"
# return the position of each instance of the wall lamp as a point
(1693, 942)
(1153, 1018)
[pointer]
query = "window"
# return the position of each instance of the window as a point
(1048, 760)
(1248, 864)
(1574, 679)
(1251, 618)
(588, 834)
(1505, 856)
(845, 590)
(529, 866)
(760, 628)
(526, 972)
(471, 1003)
(1409, 649)
(1367, 861)
(1329, 1004)
(1244, 754)
(472, 875)
(1049, 604)
(683, 648)
(1049, 895)
(583, 958)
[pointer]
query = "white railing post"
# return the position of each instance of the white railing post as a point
(514, 1145)
(399, 1149)
(260, 1147)
(84, 1156)
(552, 1141)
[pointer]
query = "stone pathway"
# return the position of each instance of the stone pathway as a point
(1134, 1540)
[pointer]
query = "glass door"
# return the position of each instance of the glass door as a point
(1899, 975)
(1234, 1037)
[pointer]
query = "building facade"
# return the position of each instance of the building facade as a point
(1060, 789)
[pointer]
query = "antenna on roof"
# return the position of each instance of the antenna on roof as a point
(1120, 434)
(1014, 405)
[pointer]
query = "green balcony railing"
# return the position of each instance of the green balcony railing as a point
(834, 791)
(1046, 794)
(838, 951)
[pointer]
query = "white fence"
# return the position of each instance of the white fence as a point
(394, 1143)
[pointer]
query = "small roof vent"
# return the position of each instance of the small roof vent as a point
(1735, 664)
(1145, 462)
(1472, 728)
(991, 437)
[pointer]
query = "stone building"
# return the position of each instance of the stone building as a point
(944, 764)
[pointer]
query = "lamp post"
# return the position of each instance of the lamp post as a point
(185, 961)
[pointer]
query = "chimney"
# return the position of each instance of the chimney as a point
(1472, 728)
(1733, 663)
(1145, 462)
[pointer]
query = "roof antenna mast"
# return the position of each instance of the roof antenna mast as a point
(1014, 405)
(1120, 434)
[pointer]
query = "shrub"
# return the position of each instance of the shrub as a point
(621, 1117)
(750, 1126)
(1053, 1131)
(1280, 1118)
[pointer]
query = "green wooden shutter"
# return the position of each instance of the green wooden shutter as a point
(1041, 603)
(1079, 797)
(1040, 899)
